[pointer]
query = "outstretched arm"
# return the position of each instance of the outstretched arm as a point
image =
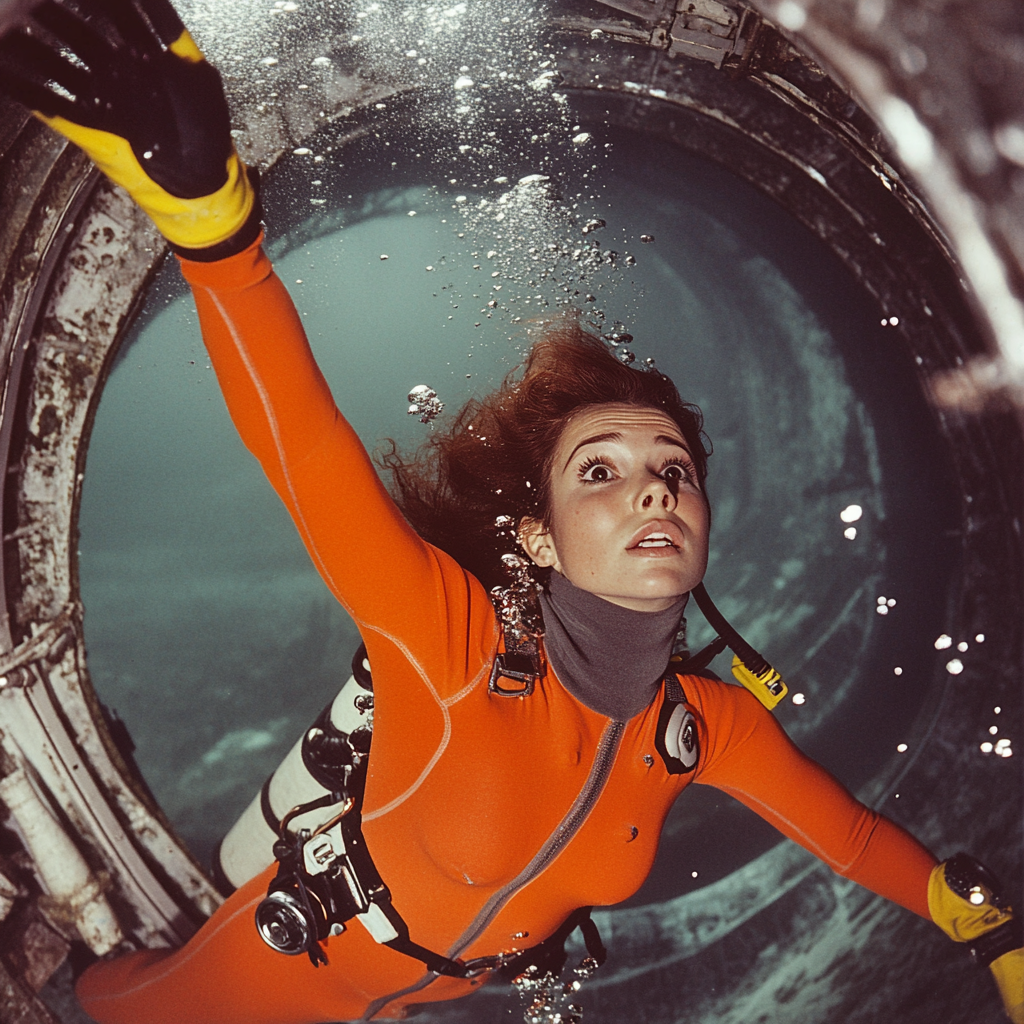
(749, 756)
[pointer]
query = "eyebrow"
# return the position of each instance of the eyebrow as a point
(616, 436)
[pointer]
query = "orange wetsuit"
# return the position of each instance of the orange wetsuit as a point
(490, 818)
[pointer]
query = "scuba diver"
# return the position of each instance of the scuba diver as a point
(527, 744)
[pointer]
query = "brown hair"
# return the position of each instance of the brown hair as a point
(494, 458)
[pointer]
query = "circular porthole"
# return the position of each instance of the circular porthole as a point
(750, 230)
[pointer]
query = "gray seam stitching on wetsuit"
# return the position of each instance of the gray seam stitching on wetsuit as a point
(572, 821)
(442, 746)
(178, 961)
(268, 411)
(278, 444)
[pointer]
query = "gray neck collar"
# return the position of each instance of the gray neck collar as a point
(611, 659)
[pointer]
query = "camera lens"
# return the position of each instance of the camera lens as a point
(284, 924)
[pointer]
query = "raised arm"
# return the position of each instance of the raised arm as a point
(124, 80)
(383, 573)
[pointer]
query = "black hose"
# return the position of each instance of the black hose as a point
(718, 622)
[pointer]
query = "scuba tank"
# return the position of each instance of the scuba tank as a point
(311, 770)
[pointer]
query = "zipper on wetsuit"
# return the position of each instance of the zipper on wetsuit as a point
(571, 823)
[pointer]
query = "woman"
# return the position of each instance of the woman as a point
(490, 817)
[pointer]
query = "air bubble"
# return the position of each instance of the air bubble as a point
(647, 239)
(594, 224)
(624, 355)
(424, 403)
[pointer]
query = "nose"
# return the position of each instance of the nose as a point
(659, 494)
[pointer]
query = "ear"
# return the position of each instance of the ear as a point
(538, 543)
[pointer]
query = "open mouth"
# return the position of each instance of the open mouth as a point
(656, 540)
(658, 534)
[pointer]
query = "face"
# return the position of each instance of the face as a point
(629, 521)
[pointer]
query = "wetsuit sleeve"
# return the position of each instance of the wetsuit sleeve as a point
(747, 754)
(393, 584)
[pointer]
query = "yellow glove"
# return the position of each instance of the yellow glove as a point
(124, 80)
(965, 902)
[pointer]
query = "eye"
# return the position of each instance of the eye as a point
(594, 471)
(679, 472)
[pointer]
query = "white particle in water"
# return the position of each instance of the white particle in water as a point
(491, 254)
(799, 698)
(962, 646)
(993, 729)
(892, 604)
(302, 151)
(880, 599)
(384, 256)
(411, 213)
(882, 609)
(463, 82)
(269, 61)
(997, 710)
(987, 748)
(901, 747)
(954, 666)
(851, 513)
(980, 638)
(943, 641)
(582, 139)
(897, 671)
(850, 533)
(321, 62)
